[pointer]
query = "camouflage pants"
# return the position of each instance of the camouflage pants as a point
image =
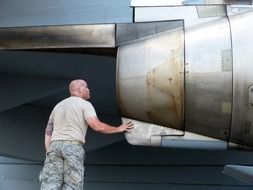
(63, 168)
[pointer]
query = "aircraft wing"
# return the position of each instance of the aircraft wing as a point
(243, 173)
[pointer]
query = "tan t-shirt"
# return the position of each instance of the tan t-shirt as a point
(68, 118)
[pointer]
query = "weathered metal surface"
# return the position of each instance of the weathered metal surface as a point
(150, 79)
(165, 93)
(71, 36)
(208, 68)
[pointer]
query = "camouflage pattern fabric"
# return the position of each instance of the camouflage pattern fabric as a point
(63, 168)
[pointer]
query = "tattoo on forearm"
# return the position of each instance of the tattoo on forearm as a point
(49, 128)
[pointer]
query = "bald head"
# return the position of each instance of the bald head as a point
(79, 88)
(75, 84)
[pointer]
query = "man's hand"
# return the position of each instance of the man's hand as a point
(102, 127)
(126, 127)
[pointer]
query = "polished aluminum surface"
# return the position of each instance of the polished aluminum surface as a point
(150, 79)
(152, 3)
(242, 122)
(58, 37)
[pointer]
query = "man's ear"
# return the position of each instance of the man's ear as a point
(79, 90)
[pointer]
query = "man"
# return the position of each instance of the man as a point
(64, 138)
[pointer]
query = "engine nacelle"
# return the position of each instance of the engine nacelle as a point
(187, 80)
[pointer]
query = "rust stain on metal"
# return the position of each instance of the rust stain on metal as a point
(166, 91)
(155, 81)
